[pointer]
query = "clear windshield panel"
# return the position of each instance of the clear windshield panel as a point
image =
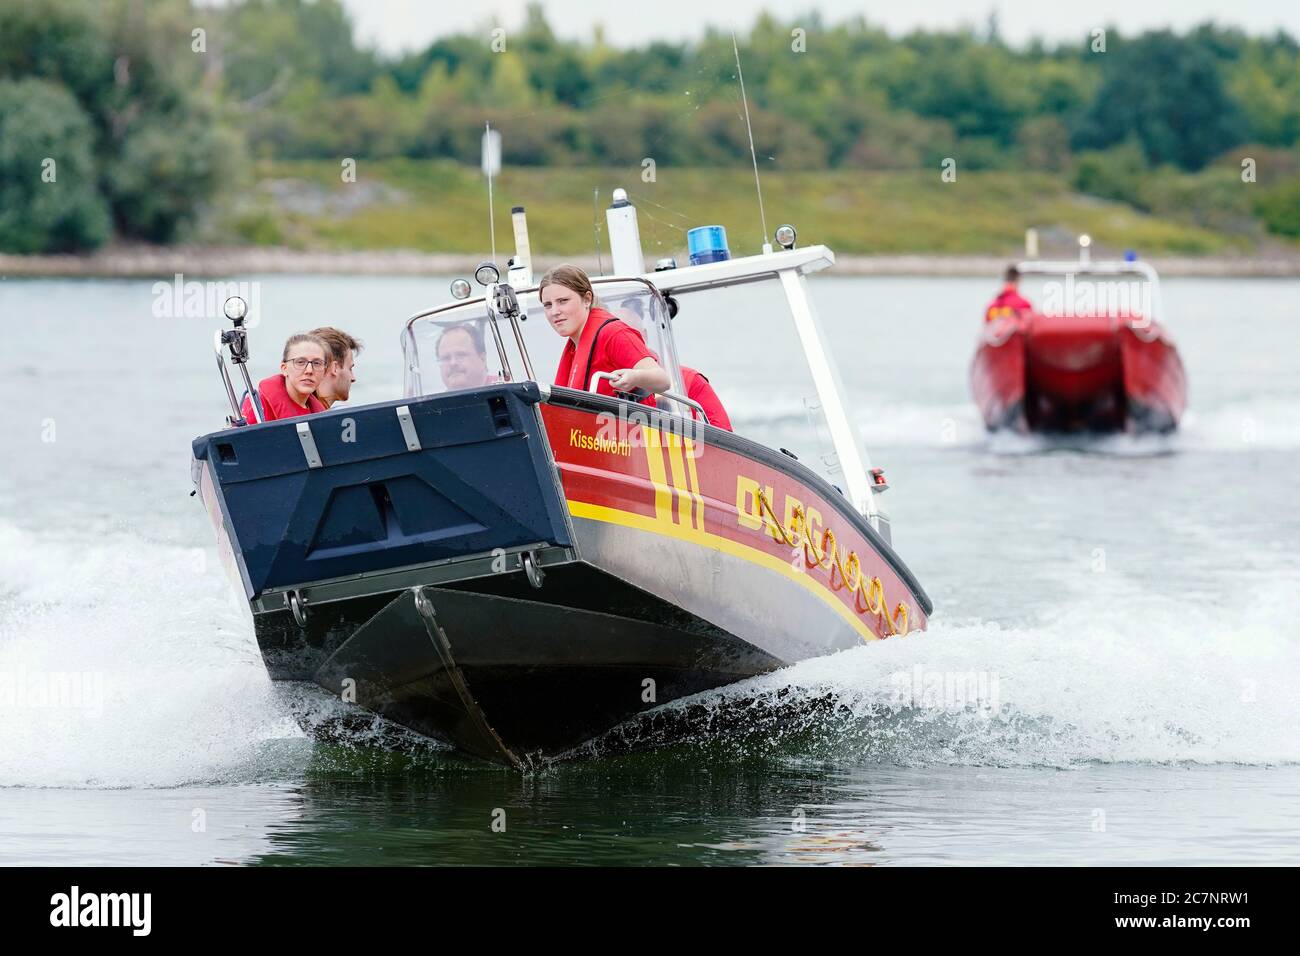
(743, 339)
(451, 350)
(455, 348)
(639, 305)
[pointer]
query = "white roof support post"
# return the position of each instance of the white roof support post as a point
(853, 461)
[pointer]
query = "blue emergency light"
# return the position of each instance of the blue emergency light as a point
(707, 244)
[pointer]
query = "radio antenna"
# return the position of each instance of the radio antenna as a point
(491, 163)
(750, 129)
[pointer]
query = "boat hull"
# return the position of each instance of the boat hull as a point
(626, 565)
(1075, 374)
(518, 680)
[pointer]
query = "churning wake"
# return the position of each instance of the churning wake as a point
(125, 663)
(1144, 679)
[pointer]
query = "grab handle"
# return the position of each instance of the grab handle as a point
(597, 376)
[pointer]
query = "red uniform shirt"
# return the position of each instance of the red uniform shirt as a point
(699, 389)
(276, 402)
(605, 345)
(1009, 300)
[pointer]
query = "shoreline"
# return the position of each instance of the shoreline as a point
(230, 262)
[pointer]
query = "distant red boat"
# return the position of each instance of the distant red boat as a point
(1090, 358)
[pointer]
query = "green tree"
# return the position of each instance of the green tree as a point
(553, 67)
(1265, 80)
(267, 45)
(164, 170)
(1117, 173)
(1044, 143)
(61, 41)
(1279, 207)
(150, 141)
(49, 201)
(1165, 91)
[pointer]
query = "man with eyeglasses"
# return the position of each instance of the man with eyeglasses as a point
(292, 392)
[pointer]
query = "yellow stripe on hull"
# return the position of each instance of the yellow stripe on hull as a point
(706, 539)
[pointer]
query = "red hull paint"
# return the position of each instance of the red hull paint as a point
(1097, 373)
(997, 376)
(666, 484)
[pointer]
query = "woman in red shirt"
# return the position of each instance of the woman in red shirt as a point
(598, 342)
(291, 392)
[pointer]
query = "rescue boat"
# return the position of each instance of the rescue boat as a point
(1094, 356)
(520, 569)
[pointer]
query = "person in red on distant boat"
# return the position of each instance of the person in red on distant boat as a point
(697, 384)
(1009, 301)
(292, 391)
(598, 341)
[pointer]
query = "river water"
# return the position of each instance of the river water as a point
(1128, 609)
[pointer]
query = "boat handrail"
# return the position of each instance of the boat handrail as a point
(669, 359)
(595, 280)
(1074, 266)
(1105, 267)
(597, 376)
(713, 275)
(745, 269)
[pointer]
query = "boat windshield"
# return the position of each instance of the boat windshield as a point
(743, 340)
(739, 335)
(454, 347)
(1066, 290)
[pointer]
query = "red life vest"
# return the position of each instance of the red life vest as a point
(276, 402)
(1008, 302)
(606, 344)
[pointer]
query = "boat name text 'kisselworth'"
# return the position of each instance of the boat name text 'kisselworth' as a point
(580, 439)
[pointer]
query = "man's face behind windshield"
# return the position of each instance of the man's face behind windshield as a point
(460, 365)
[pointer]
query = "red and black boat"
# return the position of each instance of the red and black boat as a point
(1094, 356)
(518, 568)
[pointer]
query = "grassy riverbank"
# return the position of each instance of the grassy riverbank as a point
(401, 217)
(441, 207)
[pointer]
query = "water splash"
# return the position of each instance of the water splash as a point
(1189, 683)
(174, 690)
(1135, 677)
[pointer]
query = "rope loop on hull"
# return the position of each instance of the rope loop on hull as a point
(869, 590)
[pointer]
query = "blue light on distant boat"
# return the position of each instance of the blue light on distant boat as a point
(707, 244)
(1130, 255)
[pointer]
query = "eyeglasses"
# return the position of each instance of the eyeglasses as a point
(302, 363)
